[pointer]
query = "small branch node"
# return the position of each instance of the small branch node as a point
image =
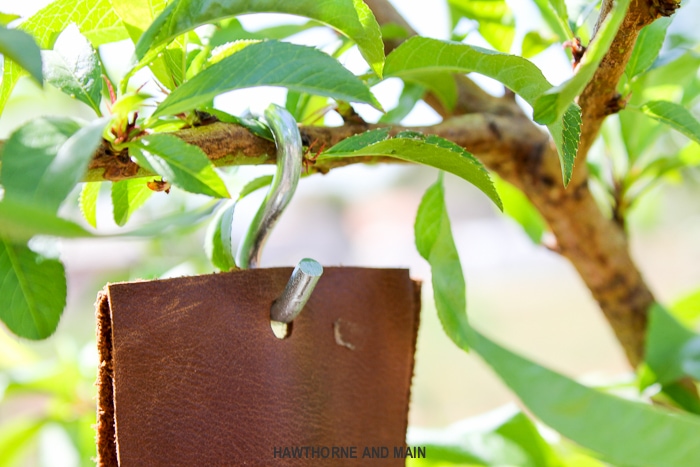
(577, 50)
(661, 8)
(615, 104)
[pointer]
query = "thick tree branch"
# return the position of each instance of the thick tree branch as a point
(490, 136)
(595, 245)
(600, 98)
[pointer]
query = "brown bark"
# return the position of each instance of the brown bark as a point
(225, 144)
(600, 98)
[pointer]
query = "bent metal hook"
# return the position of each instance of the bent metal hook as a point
(289, 162)
(284, 183)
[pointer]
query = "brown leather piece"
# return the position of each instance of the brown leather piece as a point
(191, 373)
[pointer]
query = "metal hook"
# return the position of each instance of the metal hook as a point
(297, 292)
(284, 183)
(289, 161)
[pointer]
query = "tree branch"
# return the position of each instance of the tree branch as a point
(600, 98)
(596, 246)
(490, 136)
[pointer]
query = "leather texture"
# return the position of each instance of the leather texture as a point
(192, 374)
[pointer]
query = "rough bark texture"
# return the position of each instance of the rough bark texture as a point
(497, 131)
(600, 98)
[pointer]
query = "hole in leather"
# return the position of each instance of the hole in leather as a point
(348, 334)
(281, 330)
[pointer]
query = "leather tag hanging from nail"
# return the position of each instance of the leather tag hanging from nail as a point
(192, 374)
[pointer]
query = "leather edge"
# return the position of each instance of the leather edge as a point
(106, 435)
(417, 288)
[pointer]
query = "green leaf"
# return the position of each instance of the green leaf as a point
(433, 151)
(7, 18)
(54, 175)
(673, 73)
(95, 19)
(21, 48)
(357, 142)
(218, 244)
(647, 47)
(674, 115)
(555, 15)
(514, 441)
(137, 15)
(267, 64)
(457, 446)
(420, 54)
(551, 106)
(625, 432)
(196, 59)
(254, 126)
(231, 30)
(410, 95)
(559, 7)
(638, 132)
(27, 157)
(32, 291)
(81, 431)
(393, 31)
(435, 243)
(74, 68)
(173, 222)
(441, 84)
(350, 17)
(305, 108)
(228, 49)
(681, 396)
(672, 350)
(20, 221)
(667, 79)
(255, 185)
(71, 162)
(519, 208)
(479, 178)
(182, 164)
(520, 430)
(687, 308)
(566, 135)
(16, 436)
(507, 438)
(534, 43)
(88, 201)
(496, 22)
(154, 57)
(127, 197)
(127, 103)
